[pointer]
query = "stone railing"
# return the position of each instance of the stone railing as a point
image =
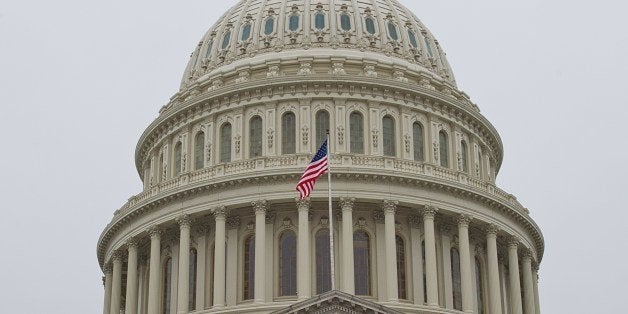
(295, 164)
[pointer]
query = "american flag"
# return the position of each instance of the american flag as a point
(317, 167)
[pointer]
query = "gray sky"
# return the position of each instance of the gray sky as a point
(80, 81)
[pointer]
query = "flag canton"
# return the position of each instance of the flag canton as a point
(322, 152)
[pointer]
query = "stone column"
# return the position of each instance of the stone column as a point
(231, 269)
(417, 260)
(183, 296)
(515, 281)
(260, 208)
(154, 281)
(391, 250)
(430, 255)
(304, 285)
(448, 287)
(131, 279)
(535, 283)
(116, 284)
(495, 303)
(201, 266)
(220, 215)
(465, 263)
(528, 286)
(107, 282)
(347, 245)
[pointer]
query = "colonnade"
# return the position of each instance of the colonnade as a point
(516, 304)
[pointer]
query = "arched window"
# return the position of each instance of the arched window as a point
(362, 263)
(401, 267)
(225, 142)
(246, 32)
(255, 137)
(424, 271)
(388, 136)
(323, 262)
(392, 31)
(478, 286)
(177, 158)
(345, 22)
(412, 38)
(322, 125)
(249, 268)
(417, 140)
(269, 26)
(444, 148)
(192, 280)
(199, 151)
(370, 25)
(288, 264)
(463, 157)
(319, 21)
(455, 279)
(293, 23)
(288, 133)
(356, 133)
(167, 288)
(428, 46)
(210, 45)
(226, 40)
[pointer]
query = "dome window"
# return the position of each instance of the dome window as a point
(319, 21)
(208, 52)
(293, 23)
(226, 40)
(370, 25)
(269, 26)
(246, 32)
(388, 132)
(429, 48)
(412, 38)
(392, 31)
(345, 22)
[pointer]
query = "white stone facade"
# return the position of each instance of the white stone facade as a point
(221, 162)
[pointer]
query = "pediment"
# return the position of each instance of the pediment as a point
(336, 302)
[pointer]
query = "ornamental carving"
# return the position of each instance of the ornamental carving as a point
(243, 76)
(429, 211)
(415, 221)
(390, 206)
(184, 221)
(305, 135)
(273, 71)
(220, 212)
(270, 134)
(303, 204)
(270, 217)
(369, 71)
(378, 216)
(375, 136)
(346, 203)
(305, 69)
(406, 141)
(260, 206)
(338, 68)
(400, 76)
(238, 139)
(341, 134)
(464, 220)
(233, 222)
(154, 232)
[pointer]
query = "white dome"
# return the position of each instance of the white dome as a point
(254, 28)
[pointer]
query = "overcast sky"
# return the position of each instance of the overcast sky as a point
(80, 81)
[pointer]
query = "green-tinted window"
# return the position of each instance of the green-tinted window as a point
(226, 40)
(269, 26)
(319, 21)
(208, 52)
(345, 22)
(293, 23)
(428, 46)
(412, 38)
(370, 25)
(246, 31)
(392, 31)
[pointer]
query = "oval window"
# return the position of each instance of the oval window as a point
(370, 25)
(345, 22)
(319, 20)
(392, 31)
(246, 32)
(269, 26)
(293, 24)
(412, 38)
(226, 40)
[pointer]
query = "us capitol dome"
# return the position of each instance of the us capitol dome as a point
(418, 222)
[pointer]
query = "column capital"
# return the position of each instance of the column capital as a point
(154, 232)
(184, 221)
(527, 255)
(429, 211)
(107, 269)
(233, 222)
(260, 206)
(132, 243)
(492, 230)
(415, 221)
(220, 212)
(464, 220)
(303, 204)
(117, 256)
(346, 203)
(390, 206)
(513, 242)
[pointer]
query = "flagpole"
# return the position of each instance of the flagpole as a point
(331, 217)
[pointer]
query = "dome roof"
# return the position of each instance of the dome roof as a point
(273, 29)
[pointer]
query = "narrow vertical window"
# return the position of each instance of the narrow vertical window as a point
(167, 288)
(208, 52)
(428, 46)
(361, 263)
(293, 23)
(444, 148)
(249, 268)
(269, 26)
(192, 280)
(455, 278)
(322, 125)
(288, 264)
(226, 40)
(177, 159)
(246, 31)
(424, 271)
(323, 262)
(417, 141)
(478, 287)
(370, 25)
(356, 133)
(199, 151)
(388, 136)
(345, 22)
(255, 137)
(288, 133)
(319, 21)
(225, 143)
(160, 172)
(412, 38)
(463, 156)
(401, 268)
(392, 31)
